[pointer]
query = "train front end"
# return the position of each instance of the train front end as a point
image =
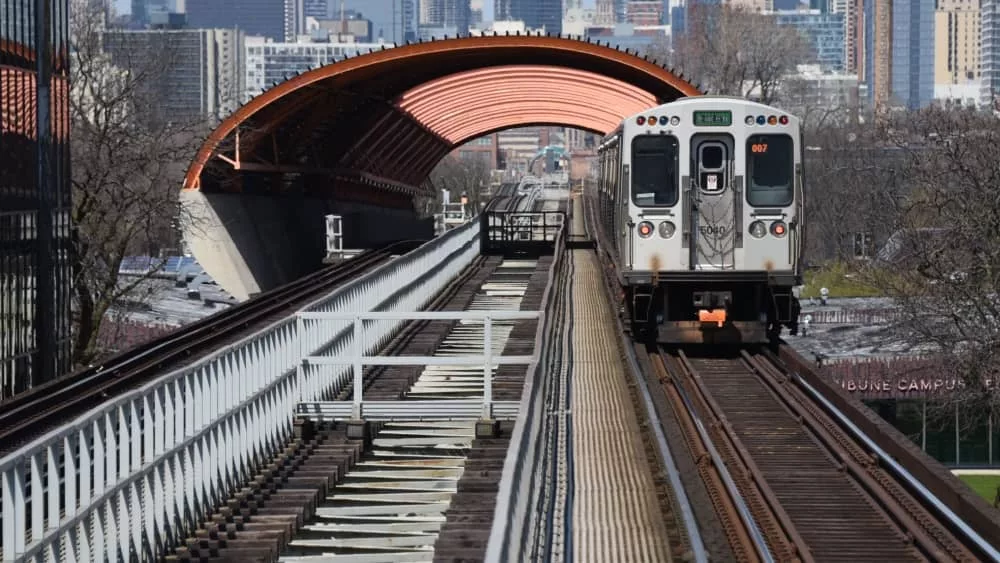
(710, 248)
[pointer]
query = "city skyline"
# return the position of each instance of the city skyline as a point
(125, 6)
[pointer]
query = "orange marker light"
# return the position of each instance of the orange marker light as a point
(644, 229)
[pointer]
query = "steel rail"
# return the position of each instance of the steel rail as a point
(896, 468)
(756, 536)
(24, 416)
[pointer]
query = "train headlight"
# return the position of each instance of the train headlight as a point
(778, 228)
(757, 229)
(675, 120)
(645, 229)
(667, 229)
(750, 120)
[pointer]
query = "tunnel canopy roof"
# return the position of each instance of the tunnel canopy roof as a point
(384, 119)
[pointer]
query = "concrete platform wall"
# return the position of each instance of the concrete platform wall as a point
(250, 244)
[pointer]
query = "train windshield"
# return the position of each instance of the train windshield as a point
(770, 165)
(654, 170)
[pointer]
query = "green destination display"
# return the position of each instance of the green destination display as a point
(713, 118)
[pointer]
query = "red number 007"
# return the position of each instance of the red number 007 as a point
(759, 148)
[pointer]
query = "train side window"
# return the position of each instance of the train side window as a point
(770, 166)
(654, 170)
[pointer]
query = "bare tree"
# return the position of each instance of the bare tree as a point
(853, 190)
(127, 164)
(738, 52)
(943, 264)
(470, 176)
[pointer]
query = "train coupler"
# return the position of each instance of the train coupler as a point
(717, 316)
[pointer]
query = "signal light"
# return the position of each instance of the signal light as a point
(757, 229)
(750, 120)
(675, 120)
(761, 120)
(772, 120)
(784, 120)
(652, 120)
(645, 229)
(663, 120)
(778, 229)
(667, 229)
(641, 120)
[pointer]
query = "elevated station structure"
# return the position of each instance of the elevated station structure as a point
(358, 138)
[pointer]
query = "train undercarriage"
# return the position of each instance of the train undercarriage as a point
(703, 308)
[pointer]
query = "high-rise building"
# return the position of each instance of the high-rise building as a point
(536, 14)
(825, 33)
(957, 34)
(252, 17)
(899, 52)
(35, 250)
(451, 15)
(202, 68)
(646, 12)
(989, 58)
(852, 30)
(610, 12)
(318, 8)
(268, 62)
(143, 9)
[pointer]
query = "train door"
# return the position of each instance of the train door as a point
(715, 203)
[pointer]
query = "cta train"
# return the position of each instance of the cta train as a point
(698, 211)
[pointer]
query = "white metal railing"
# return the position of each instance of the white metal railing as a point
(131, 477)
(354, 362)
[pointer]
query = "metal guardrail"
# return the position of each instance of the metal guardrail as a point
(521, 232)
(515, 508)
(354, 363)
(129, 478)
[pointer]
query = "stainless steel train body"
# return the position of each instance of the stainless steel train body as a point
(699, 212)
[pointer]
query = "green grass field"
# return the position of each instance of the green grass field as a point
(984, 485)
(838, 279)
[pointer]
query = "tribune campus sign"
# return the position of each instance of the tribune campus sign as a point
(907, 387)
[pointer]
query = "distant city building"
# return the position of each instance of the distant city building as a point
(646, 12)
(319, 9)
(35, 197)
(269, 62)
(476, 14)
(202, 68)
(609, 12)
(351, 30)
(955, 95)
(818, 94)
(143, 9)
(444, 17)
(252, 17)
(825, 33)
(957, 36)
(989, 59)
(628, 36)
(899, 53)
(852, 29)
(536, 14)
(577, 20)
(393, 21)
